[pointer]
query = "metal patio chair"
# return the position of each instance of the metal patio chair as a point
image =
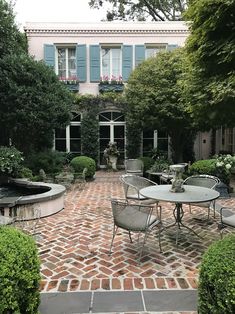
(134, 166)
(227, 218)
(206, 181)
(134, 218)
(132, 185)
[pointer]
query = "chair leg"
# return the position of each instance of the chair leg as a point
(115, 228)
(130, 237)
(142, 247)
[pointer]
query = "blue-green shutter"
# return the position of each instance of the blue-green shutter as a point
(127, 61)
(81, 62)
(139, 54)
(49, 55)
(94, 63)
(172, 47)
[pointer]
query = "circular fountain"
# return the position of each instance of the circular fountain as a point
(22, 194)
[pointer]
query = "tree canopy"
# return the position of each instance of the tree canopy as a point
(12, 41)
(140, 10)
(210, 46)
(32, 100)
(33, 103)
(154, 93)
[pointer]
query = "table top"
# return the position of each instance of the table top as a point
(192, 194)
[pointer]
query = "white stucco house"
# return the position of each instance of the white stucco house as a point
(88, 52)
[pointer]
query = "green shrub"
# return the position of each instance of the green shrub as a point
(10, 160)
(207, 166)
(19, 272)
(25, 173)
(148, 162)
(52, 162)
(160, 165)
(216, 289)
(81, 162)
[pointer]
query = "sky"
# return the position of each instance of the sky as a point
(55, 11)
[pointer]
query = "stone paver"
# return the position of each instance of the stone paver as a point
(74, 245)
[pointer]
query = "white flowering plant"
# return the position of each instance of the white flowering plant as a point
(10, 160)
(224, 165)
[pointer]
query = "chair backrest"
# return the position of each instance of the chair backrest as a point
(203, 180)
(133, 183)
(120, 208)
(133, 165)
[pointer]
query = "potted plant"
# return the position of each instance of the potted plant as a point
(111, 154)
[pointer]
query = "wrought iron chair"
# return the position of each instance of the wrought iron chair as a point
(132, 185)
(227, 218)
(134, 218)
(80, 179)
(134, 166)
(206, 181)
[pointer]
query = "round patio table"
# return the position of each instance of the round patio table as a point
(192, 194)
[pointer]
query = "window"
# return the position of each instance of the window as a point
(69, 138)
(154, 139)
(111, 62)
(66, 62)
(152, 51)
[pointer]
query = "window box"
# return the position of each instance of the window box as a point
(73, 87)
(71, 84)
(110, 87)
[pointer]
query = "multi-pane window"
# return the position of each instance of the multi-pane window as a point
(66, 62)
(111, 62)
(69, 139)
(155, 139)
(152, 51)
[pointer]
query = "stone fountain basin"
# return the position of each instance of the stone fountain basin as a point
(49, 200)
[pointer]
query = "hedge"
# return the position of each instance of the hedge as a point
(19, 272)
(216, 289)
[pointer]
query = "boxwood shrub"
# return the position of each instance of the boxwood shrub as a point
(216, 289)
(81, 162)
(19, 272)
(206, 166)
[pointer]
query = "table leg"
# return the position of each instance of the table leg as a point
(178, 213)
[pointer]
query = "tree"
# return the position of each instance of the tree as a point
(33, 103)
(210, 90)
(154, 93)
(12, 41)
(140, 10)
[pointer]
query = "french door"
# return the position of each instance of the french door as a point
(112, 129)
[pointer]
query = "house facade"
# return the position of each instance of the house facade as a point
(94, 58)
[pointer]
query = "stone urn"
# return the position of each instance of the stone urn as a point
(113, 162)
(177, 182)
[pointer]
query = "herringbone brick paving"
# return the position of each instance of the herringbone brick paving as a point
(74, 244)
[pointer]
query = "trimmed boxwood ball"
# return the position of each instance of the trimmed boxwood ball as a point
(216, 289)
(19, 272)
(81, 162)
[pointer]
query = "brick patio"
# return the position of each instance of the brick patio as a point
(74, 243)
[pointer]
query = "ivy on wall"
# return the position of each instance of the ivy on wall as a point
(90, 106)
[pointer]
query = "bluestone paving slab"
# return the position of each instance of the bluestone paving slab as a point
(171, 300)
(155, 301)
(65, 303)
(121, 301)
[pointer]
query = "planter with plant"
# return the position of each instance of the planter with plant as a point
(111, 154)
(113, 84)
